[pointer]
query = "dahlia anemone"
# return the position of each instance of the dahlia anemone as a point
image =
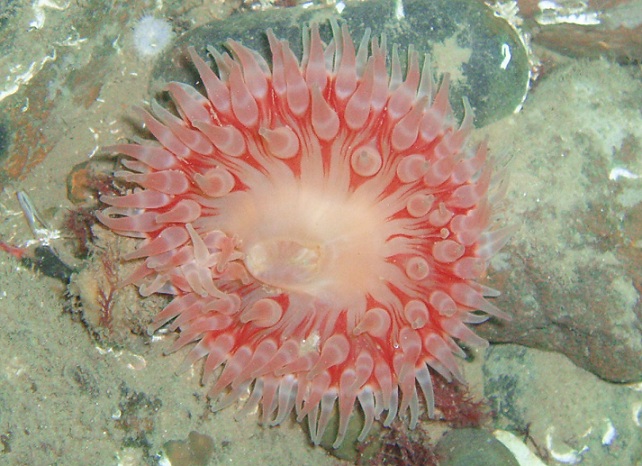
(320, 226)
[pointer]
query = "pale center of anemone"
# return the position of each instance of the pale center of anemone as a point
(283, 262)
(320, 240)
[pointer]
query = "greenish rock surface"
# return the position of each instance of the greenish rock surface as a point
(563, 410)
(467, 447)
(484, 56)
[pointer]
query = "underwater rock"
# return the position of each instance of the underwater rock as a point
(563, 413)
(589, 29)
(464, 447)
(571, 275)
(487, 60)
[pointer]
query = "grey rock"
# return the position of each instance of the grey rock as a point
(464, 38)
(572, 274)
(465, 447)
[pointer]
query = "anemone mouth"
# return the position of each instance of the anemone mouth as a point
(284, 263)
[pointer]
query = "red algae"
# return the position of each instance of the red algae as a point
(457, 407)
(320, 224)
(402, 448)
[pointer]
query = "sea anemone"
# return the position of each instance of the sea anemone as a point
(320, 226)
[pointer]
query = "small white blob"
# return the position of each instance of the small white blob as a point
(507, 56)
(152, 36)
(609, 434)
(619, 172)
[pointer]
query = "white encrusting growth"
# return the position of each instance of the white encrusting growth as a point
(151, 36)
